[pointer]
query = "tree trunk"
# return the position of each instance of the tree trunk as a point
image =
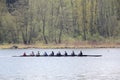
(84, 19)
(91, 19)
(44, 36)
(61, 22)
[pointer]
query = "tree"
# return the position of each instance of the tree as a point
(58, 21)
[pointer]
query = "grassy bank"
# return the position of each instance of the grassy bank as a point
(66, 45)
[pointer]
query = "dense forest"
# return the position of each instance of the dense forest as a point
(59, 21)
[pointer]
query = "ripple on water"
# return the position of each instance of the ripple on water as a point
(74, 77)
(104, 68)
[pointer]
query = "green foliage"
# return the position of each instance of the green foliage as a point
(57, 21)
(95, 38)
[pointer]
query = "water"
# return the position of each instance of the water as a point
(106, 67)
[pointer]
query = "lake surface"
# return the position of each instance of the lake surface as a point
(106, 67)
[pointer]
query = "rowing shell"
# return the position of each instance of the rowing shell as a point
(60, 56)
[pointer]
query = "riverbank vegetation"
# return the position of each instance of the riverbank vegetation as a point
(59, 23)
(73, 45)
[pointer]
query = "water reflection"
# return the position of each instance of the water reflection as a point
(70, 68)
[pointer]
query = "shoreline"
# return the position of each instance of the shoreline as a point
(60, 46)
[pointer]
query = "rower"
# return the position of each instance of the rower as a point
(52, 54)
(80, 54)
(32, 54)
(73, 53)
(45, 54)
(38, 54)
(59, 54)
(65, 54)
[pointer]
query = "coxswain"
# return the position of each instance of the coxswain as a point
(24, 54)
